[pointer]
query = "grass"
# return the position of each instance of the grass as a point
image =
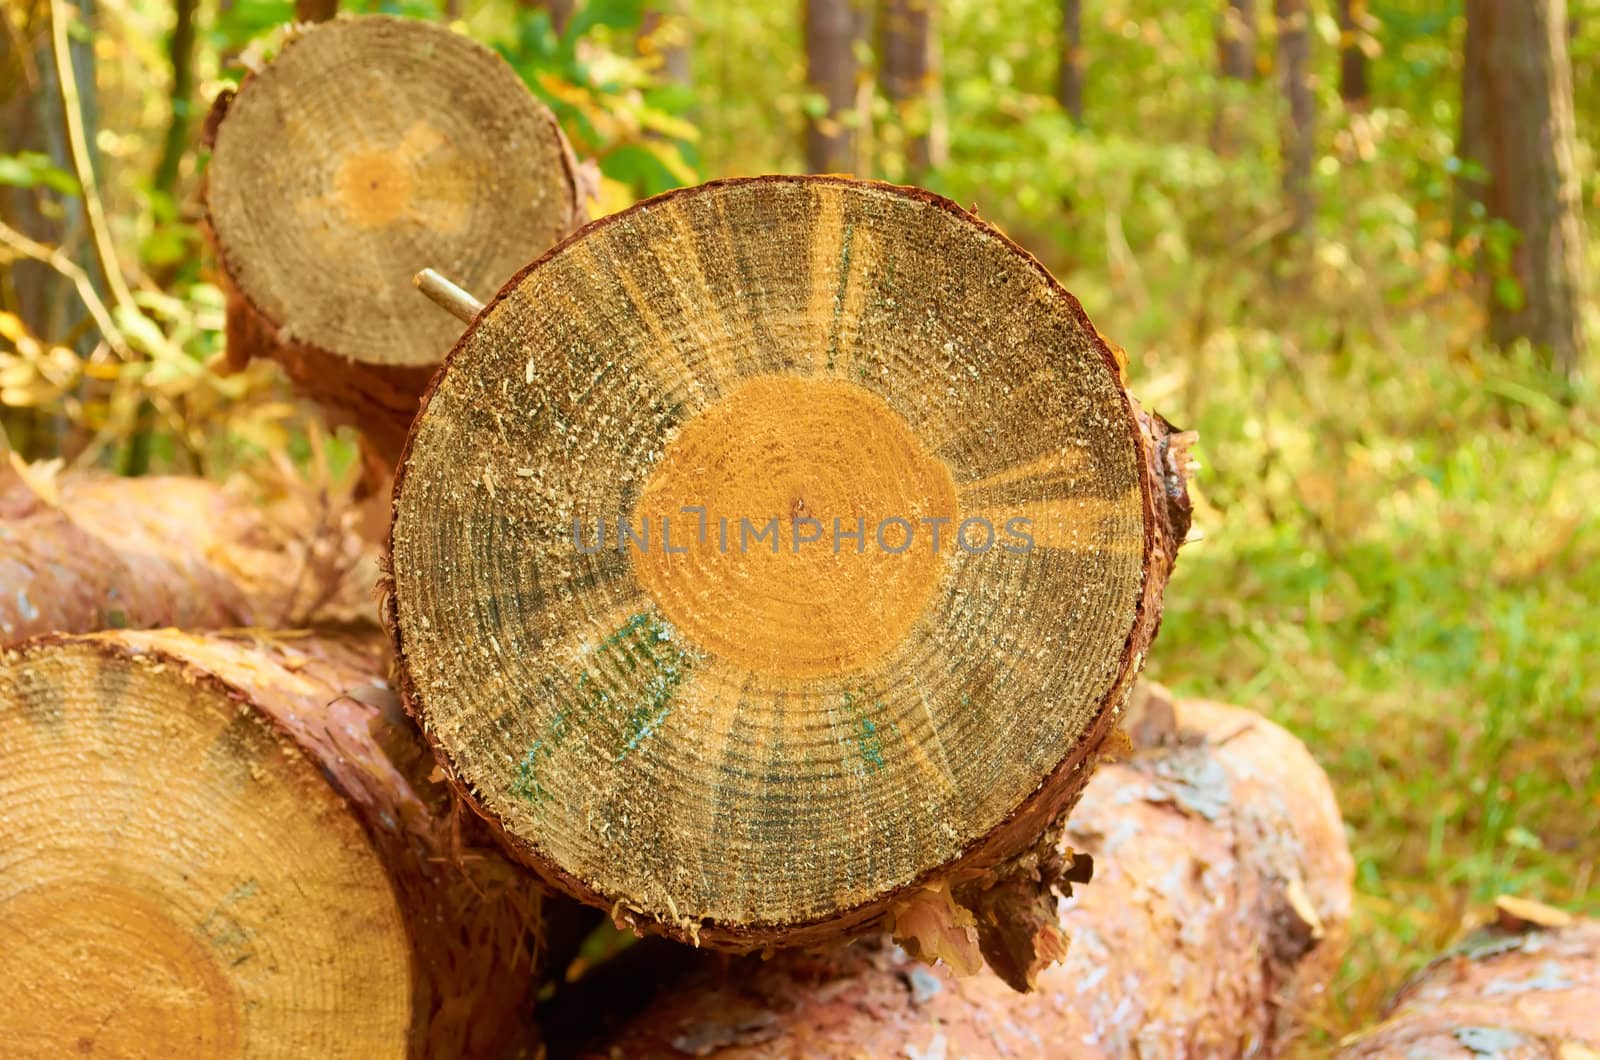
(1401, 564)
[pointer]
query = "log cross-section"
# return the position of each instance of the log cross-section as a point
(225, 846)
(775, 551)
(368, 149)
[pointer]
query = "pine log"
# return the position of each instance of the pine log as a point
(229, 846)
(1219, 907)
(1521, 990)
(745, 742)
(82, 551)
(368, 149)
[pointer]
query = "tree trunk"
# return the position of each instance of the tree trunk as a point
(561, 12)
(180, 50)
(832, 30)
(1215, 920)
(320, 226)
(1353, 85)
(909, 71)
(230, 846)
(1070, 88)
(1299, 126)
(1517, 992)
(1527, 137)
(1236, 62)
(315, 10)
(1236, 41)
(758, 740)
(88, 551)
(664, 33)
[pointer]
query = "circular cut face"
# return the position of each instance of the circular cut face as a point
(768, 545)
(178, 881)
(370, 149)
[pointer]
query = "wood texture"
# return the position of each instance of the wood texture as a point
(1355, 26)
(369, 149)
(1520, 101)
(1070, 72)
(1516, 993)
(833, 28)
(1299, 121)
(228, 846)
(908, 68)
(1222, 892)
(1236, 40)
(745, 745)
(86, 551)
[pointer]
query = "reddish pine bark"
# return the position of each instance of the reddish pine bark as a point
(1219, 904)
(1518, 124)
(832, 28)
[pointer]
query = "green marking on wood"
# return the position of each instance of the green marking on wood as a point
(869, 745)
(642, 656)
(838, 294)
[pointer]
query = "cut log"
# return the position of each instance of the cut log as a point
(1526, 989)
(896, 539)
(84, 551)
(368, 149)
(1222, 892)
(228, 846)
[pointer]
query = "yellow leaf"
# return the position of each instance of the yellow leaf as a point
(11, 327)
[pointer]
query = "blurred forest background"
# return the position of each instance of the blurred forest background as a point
(1342, 239)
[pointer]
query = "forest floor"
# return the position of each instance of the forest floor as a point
(1401, 564)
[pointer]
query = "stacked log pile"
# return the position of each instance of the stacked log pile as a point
(665, 628)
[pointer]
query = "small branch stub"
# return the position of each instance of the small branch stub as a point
(448, 296)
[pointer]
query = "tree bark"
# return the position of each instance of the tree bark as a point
(1354, 88)
(88, 551)
(1522, 118)
(664, 33)
(1236, 62)
(832, 31)
(315, 10)
(320, 232)
(561, 12)
(255, 863)
(1216, 917)
(909, 71)
(1236, 40)
(1299, 125)
(1519, 991)
(180, 54)
(753, 379)
(1070, 86)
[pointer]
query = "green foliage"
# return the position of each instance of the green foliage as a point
(30, 169)
(608, 98)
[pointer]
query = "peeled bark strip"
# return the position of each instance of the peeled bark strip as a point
(1515, 992)
(227, 846)
(369, 149)
(1222, 891)
(86, 551)
(773, 740)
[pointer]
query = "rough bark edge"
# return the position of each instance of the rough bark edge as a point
(444, 870)
(1005, 850)
(380, 400)
(1522, 988)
